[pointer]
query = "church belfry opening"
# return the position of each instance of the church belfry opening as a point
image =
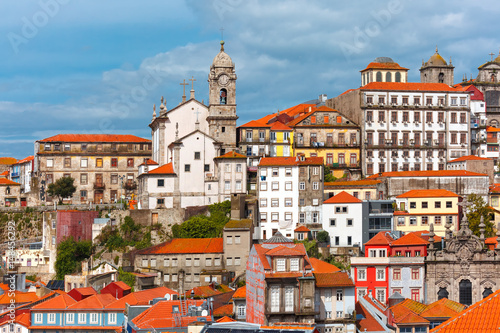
(223, 96)
(465, 287)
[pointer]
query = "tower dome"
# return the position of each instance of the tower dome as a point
(436, 60)
(222, 59)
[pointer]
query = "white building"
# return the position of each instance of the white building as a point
(290, 191)
(343, 219)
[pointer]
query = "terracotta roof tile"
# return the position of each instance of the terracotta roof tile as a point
(240, 292)
(255, 123)
(117, 329)
(98, 301)
(428, 194)
(382, 238)
(470, 158)
(408, 86)
(335, 279)
(424, 234)
(232, 154)
(5, 181)
(429, 173)
(149, 162)
(56, 303)
(302, 228)
(379, 306)
(122, 285)
(383, 65)
(4, 174)
(166, 169)
(290, 161)
(492, 129)
(410, 239)
(223, 311)
(282, 250)
(7, 160)
(202, 292)
(277, 126)
(320, 266)
(342, 197)
(225, 319)
(187, 245)
(25, 160)
(85, 291)
(19, 297)
(368, 323)
(125, 138)
(160, 315)
(141, 297)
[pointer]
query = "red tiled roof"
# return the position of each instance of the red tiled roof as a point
(5, 181)
(412, 312)
(24, 160)
(56, 303)
(117, 329)
(262, 252)
(495, 188)
(411, 318)
(290, 161)
(125, 138)
(428, 194)
(363, 182)
(408, 86)
(382, 238)
(141, 297)
(410, 239)
(379, 306)
(85, 291)
(479, 317)
(255, 123)
(492, 129)
(320, 266)
(348, 91)
(232, 154)
(336, 279)
(429, 173)
(202, 292)
(368, 323)
(223, 311)
(166, 169)
(444, 308)
(149, 162)
(282, 250)
(225, 319)
(342, 197)
(122, 285)
(470, 158)
(187, 245)
(278, 126)
(5, 173)
(161, 315)
(23, 319)
(383, 65)
(302, 228)
(240, 292)
(284, 275)
(424, 234)
(19, 297)
(7, 160)
(98, 301)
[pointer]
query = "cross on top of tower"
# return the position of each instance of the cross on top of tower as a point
(184, 84)
(192, 79)
(491, 55)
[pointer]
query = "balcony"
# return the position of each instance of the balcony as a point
(130, 186)
(99, 186)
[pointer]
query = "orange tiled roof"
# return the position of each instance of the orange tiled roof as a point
(86, 291)
(379, 306)
(363, 182)
(161, 315)
(225, 319)
(223, 311)
(98, 301)
(342, 197)
(336, 279)
(470, 158)
(141, 297)
(125, 138)
(166, 169)
(290, 161)
(383, 65)
(302, 228)
(232, 154)
(19, 297)
(320, 266)
(495, 188)
(278, 126)
(408, 86)
(382, 238)
(187, 245)
(368, 323)
(7, 160)
(56, 303)
(4, 174)
(24, 160)
(122, 285)
(410, 239)
(492, 129)
(444, 308)
(149, 162)
(428, 194)
(424, 234)
(255, 123)
(262, 252)
(240, 292)
(411, 318)
(202, 292)
(282, 250)
(5, 181)
(429, 173)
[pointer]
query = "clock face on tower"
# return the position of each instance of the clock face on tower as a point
(223, 79)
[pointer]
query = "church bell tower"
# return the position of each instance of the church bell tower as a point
(222, 101)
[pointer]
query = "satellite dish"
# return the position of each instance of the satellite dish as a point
(167, 297)
(204, 313)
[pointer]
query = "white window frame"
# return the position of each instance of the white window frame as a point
(38, 318)
(70, 317)
(380, 274)
(263, 202)
(275, 186)
(361, 274)
(289, 306)
(263, 186)
(302, 186)
(82, 318)
(288, 186)
(294, 264)
(315, 186)
(51, 318)
(275, 299)
(280, 265)
(288, 202)
(94, 318)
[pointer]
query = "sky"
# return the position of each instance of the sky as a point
(93, 66)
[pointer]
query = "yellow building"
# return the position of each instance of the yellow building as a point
(417, 209)
(494, 198)
(365, 189)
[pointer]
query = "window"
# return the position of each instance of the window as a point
(263, 202)
(238, 167)
(349, 222)
(401, 220)
(315, 186)
(83, 179)
(294, 264)
(302, 186)
(289, 299)
(196, 277)
(263, 217)
(449, 204)
(187, 167)
(94, 318)
(208, 261)
(415, 295)
(275, 186)
(70, 318)
(174, 278)
(174, 262)
(415, 273)
(349, 240)
(263, 186)
(437, 204)
(51, 318)
(288, 186)
(229, 240)
(381, 253)
(362, 274)
(114, 162)
(206, 168)
(413, 220)
(197, 155)
(380, 274)
(340, 294)
(396, 274)
(302, 217)
(153, 262)
(241, 310)
(315, 217)
(288, 202)
(82, 317)
(275, 299)
(274, 217)
(84, 163)
(274, 202)
(280, 265)
(217, 260)
(227, 185)
(463, 118)
(114, 178)
(188, 262)
(161, 182)
(425, 220)
(424, 204)
(337, 240)
(315, 170)
(98, 162)
(381, 295)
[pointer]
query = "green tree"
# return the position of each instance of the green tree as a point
(69, 256)
(311, 248)
(62, 188)
(323, 237)
(126, 277)
(479, 209)
(328, 175)
(202, 226)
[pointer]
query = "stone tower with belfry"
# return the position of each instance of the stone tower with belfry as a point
(222, 101)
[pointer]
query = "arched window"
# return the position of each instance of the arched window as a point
(441, 78)
(379, 77)
(442, 293)
(494, 123)
(223, 96)
(398, 77)
(493, 78)
(465, 297)
(388, 77)
(487, 292)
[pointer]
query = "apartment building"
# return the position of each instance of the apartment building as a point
(104, 166)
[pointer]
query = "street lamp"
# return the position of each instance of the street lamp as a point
(121, 189)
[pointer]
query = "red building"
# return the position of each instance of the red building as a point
(81, 293)
(117, 289)
(76, 224)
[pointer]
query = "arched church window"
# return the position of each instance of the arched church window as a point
(398, 77)
(223, 96)
(465, 287)
(443, 293)
(441, 78)
(493, 78)
(388, 77)
(487, 292)
(379, 77)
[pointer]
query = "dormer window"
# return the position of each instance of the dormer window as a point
(294, 264)
(280, 265)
